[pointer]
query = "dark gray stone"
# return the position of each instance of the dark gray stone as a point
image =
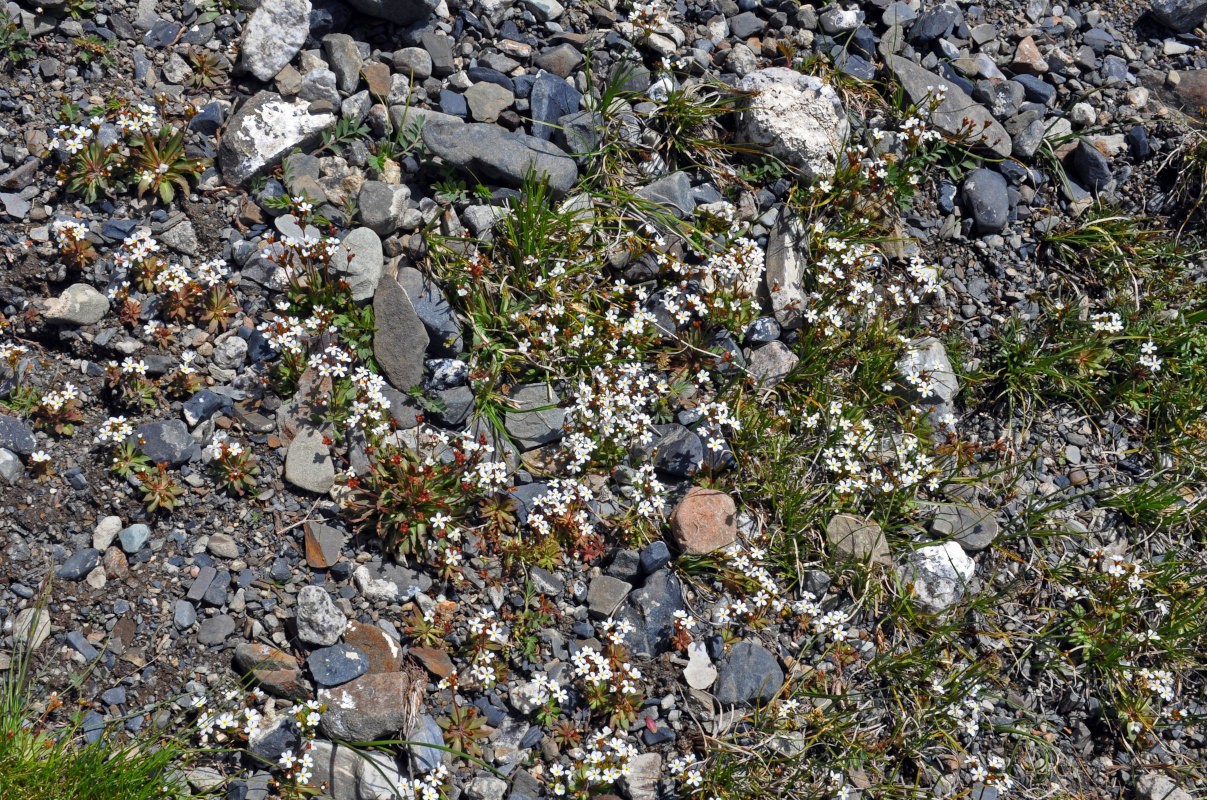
(400, 12)
(935, 23)
(16, 435)
(79, 564)
(745, 25)
(167, 442)
(215, 630)
(985, 197)
(651, 609)
(1180, 16)
(114, 697)
(551, 99)
(401, 338)
(274, 739)
(748, 673)
(673, 192)
(437, 315)
(1091, 167)
(655, 557)
(336, 665)
(203, 405)
(676, 450)
(495, 154)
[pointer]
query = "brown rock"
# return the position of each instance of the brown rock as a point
(371, 707)
(377, 75)
(1191, 92)
(323, 545)
(434, 659)
(1028, 59)
(115, 563)
(382, 652)
(854, 538)
(705, 520)
(276, 671)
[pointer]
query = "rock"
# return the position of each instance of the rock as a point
(605, 595)
(335, 769)
(79, 304)
(345, 60)
(699, 672)
(974, 527)
(215, 630)
(748, 24)
(705, 520)
(550, 99)
(560, 60)
(203, 405)
(785, 269)
(654, 557)
(676, 450)
(167, 442)
(956, 107)
(374, 589)
(263, 131)
(318, 86)
(11, 468)
(134, 538)
(79, 564)
(937, 22)
(1191, 90)
(495, 154)
(30, 628)
(369, 708)
(105, 532)
(400, 12)
(277, 672)
(486, 787)
(308, 463)
(937, 574)
(319, 621)
(336, 665)
(378, 778)
(401, 338)
(641, 781)
(433, 308)
(434, 659)
(16, 435)
(1180, 16)
(544, 10)
(184, 615)
(488, 100)
(984, 193)
(380, 650)
(651, 610)
(854, 538)
(746, 674)
(382, 206)
(323, 544)
(222, 545)
(274, 738)
(1091, 167)
(365, 261)
(1156, 786)
(413, 63)
(536, 418)
(427, 732)
(15, 205)
(925, 360)
(771, 363)
(673, 192)
(794, 116)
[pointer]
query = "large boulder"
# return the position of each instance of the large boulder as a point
(492, 153)
(274, 35)
(400, 12)
(1180, 16)
(263, 131)
(794, 116)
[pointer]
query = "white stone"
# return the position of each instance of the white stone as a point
(794, 116)
(274, 35)
(699, 672)
(938, 574)
(105, 532)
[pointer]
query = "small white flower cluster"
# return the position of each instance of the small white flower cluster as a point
(649, 491)
(768, 595)
(11, 352)
(593, 667)
(60, 397)
(650, 16)
(1107, 322)
(991, 773)
(831, 624)
(688, 770)
(429, 787)
(287, 334)
(486, 626)
(837, 784)
(1148, 357)
(71, 139)
(963, 705)
(541, 689)
(855, 460)
(371, 407)
(1116, 566)
(607, 758)
(564, 503)
(332, 362)
(223, 446)
(67, 232)
(610, 406)
(137, 118)
(115, 430)
(39, 457)
(1157, 681)
(299, 768)
(132, 366)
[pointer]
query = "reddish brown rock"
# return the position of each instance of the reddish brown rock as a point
(370, 708)
(1028, 59)
(382, 652)
(323, 544)
(115, 563)
(705, 520)
(276, 671)
(377, 75)
(434, 659)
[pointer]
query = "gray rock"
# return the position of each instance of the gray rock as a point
(1180, 16)
(544, 10)
(263, 131)
(427, 731)
(937, 575)
(651, 609)
(400, 12)
(1091, 167)
(545, 582)
(771, 363)
(486, 787)
(335, 767)
(378, 778)
(550, 99)
(167, 442)
(984, 194)
(488, 100)
(230, 351)
(134, 538)
(11, 468)
(30, 628)
(345, 61)
(382, 206)
(15, 205)
(1025, 144)
(413, 63)
(605, 595)
(858, 539)
(641, 780)
(273, 739)
(318, 85)
(676, 450)
(579, 133)
(495, 154)
(372, 707)
(364, 264)
(215, 630)
(748, 24)
(202, 406)
(1156, 786)
(16, 435)
(336, 665)
(274, 35)
(79, 564)
(184, 615)
(927, 357)
(673, 192)
(748, 673)
(794, 116)
(401, 339)
(956, 107)
(974, 527)
(535, 419)
(785, 269)
(79, 304)
(308, 463)
(434, 310)
(79, 643)
(319, 621)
